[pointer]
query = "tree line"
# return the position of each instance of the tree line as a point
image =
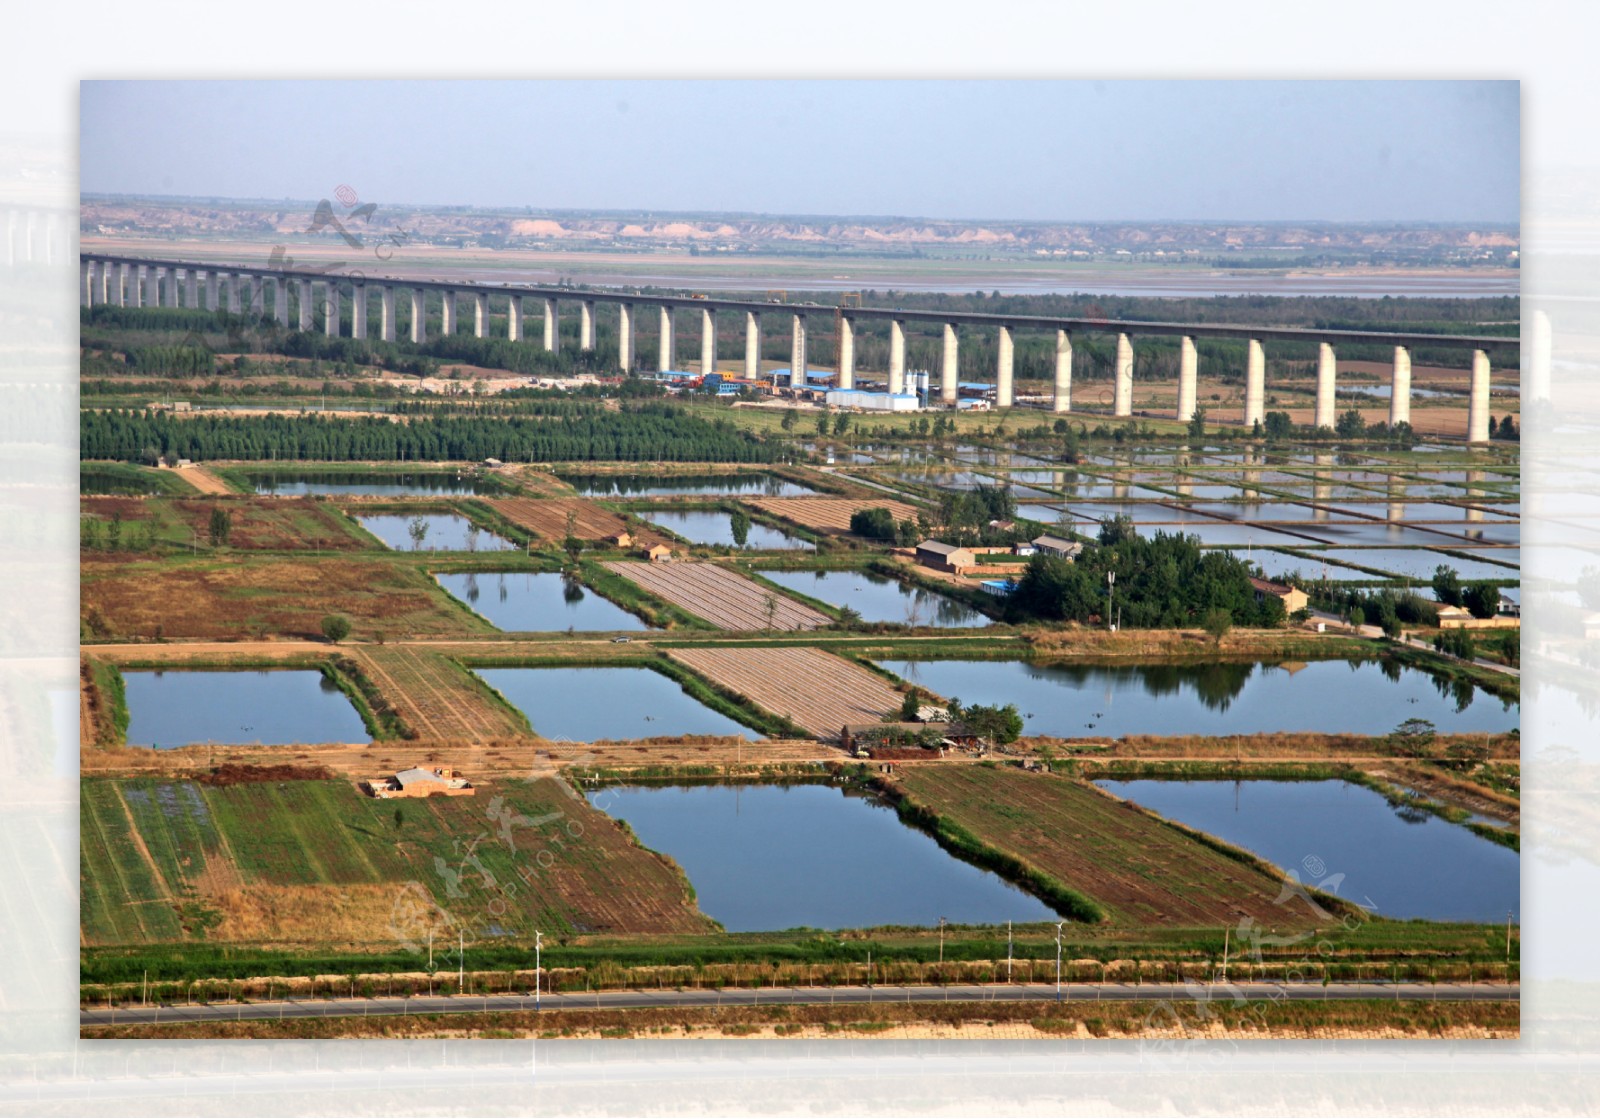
(649, 433)
(1164, 581)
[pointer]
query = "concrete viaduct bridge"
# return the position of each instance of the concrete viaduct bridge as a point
(141, 281)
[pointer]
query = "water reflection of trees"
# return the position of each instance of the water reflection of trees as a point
(1215, 684)
(571, 589)
(1456, 691)
(472, 588)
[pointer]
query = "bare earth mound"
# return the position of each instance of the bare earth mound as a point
(547, 518)
(828, 514)
(721, 597)
(814, 689)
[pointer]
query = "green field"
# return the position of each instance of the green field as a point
(316, 862)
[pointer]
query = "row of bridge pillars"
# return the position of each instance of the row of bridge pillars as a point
(123, 284)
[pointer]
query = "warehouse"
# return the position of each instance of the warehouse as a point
(872, 401)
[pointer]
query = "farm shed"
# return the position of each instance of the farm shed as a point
(945, 557)
(1292, 598)
(420, 782)
(656, 553)
(1057, 546)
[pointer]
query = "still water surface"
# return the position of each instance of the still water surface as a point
(777, 857)
(1219, 698)
(655, 485)
(586, 704)
(444, 532)
(542, 602)
(705, 527)
(275, 707)
(374, 484)
(1400, 863)
(880, 599)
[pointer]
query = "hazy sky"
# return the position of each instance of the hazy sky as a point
(1259, 151)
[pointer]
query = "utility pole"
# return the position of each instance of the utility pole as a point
(461, 960)
(1225, 944)
(1059, 925)
(538, 965)
(1508, 943)
(1008, 951)
(1111, 597)
(869, 967)
(941, 941)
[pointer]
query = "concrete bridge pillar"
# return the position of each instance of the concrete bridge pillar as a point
(119, 287)
(668, 349)
(358, 311)
(1255, 383)
(847, 352)
(950, 367)
(273, 286)
(1539, 357)
(152, 286)
(897, 357)
(752, 346)
(708, 339)
(1122, 391)
(1188, 378)
(330, 306)
(213, 289)
(1478, 399)
(586, 325)
(306, 304)
(480, 314)
(169, 288)
(386, 324)
(102, 282)
(191, 288)
(552, 326)
(1400, 388)
(447, 314)
(1005, 393)
(1327, 389)
(419, 315)
(231, 282)
(1062, 399)
(280, 300)
(86, 282)
(625, 336)
(514, 318)
(797, 353)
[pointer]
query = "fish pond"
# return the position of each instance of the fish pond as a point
(765, 857)
(1214, 698)
(440, 532)
(683, 485)
(370, 483)
(878, 598)
(1348, 841)
(705, 527)
(588, 704)
(272, 707)
(522, 601)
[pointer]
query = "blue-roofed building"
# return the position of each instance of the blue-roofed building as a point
(998, 587)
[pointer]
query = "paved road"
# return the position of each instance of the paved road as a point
(801, 996)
